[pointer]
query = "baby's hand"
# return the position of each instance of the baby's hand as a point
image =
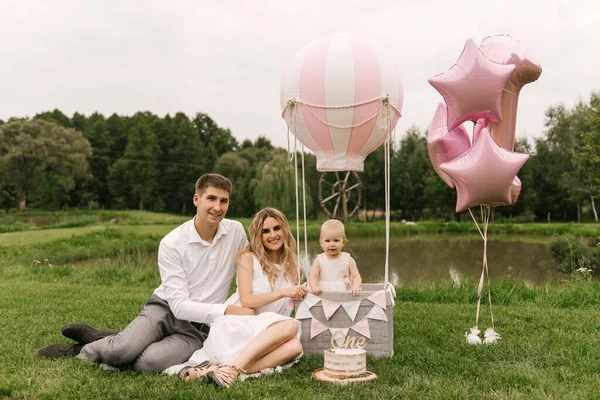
(356, 290)
(317, 290)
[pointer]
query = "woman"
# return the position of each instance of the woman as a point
(267, 277)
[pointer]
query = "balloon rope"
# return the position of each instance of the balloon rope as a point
(487, 221)
(297, 211)
(292, 120)
(304, 205)
(343, 126)
(342, 106)
(386, 162)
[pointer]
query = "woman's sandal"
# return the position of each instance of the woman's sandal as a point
(225, 375)
(198, 372)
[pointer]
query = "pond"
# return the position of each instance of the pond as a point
(442, 259)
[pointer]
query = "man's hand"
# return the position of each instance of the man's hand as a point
(237, 310)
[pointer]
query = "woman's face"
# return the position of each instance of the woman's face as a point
(272, 235)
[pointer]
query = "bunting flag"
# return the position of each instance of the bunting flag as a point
(362, 327)
(316, 327)
(311, 299)
(351, 308)
(377, 313)
(303, 311)
(392, 291)
(339, 339)
(378, 298)
(329, 307)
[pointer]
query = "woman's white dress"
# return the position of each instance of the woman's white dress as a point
(230, 334)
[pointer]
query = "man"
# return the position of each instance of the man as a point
(197, 263)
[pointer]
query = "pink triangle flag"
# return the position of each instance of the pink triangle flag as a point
(316, 327)
(378, 298)
(362, 327)
(329, 307)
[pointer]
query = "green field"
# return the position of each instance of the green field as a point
(102, 273)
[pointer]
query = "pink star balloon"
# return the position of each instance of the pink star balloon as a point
(515, 190)
(473, 87)
(485, 174)
(504, 49)
(478, 126)
(445, 145)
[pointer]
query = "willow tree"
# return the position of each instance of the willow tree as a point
(31, 149)
(275, 186)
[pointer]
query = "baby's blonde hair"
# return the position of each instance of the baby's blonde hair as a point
(333, 224)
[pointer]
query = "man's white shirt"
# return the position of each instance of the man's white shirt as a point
(196, 275)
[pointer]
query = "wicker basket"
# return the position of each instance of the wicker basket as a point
(381, 341)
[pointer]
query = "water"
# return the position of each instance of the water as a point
(422, 261)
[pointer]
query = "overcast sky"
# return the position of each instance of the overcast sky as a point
(225, 58)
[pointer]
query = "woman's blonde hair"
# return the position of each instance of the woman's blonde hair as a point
(287, 257)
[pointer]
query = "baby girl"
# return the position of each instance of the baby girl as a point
(334, 270)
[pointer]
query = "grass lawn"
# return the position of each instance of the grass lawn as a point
(103, 273)
(550, 348)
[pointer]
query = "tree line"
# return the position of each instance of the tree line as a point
(147, 162)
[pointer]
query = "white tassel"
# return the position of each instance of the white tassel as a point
(473, 336)
(491, 336)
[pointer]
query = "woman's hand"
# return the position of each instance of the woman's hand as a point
(317, 290)
(297, 291)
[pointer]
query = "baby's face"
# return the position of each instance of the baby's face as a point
(332, 242)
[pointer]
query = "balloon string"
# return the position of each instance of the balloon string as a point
(482, 277)
(386, 148)
(297, 211)
(487, 272)
(304, 206)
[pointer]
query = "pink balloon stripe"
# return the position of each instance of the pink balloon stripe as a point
(367, 86)
(312, 91)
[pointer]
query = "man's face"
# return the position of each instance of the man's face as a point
(211, 206)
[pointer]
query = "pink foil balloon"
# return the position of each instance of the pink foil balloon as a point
(445, 145)
(506, 50)
(515, 190)
(478, 126)
(484, 175)
(472, 88)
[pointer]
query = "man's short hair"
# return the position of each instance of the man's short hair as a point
(214, 180)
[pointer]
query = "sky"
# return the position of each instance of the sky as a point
(226, 58)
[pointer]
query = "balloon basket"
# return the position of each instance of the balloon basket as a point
(340, 330)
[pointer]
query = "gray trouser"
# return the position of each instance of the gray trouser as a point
(153, 341)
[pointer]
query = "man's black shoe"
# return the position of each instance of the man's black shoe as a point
(59, 350)
(82, 333)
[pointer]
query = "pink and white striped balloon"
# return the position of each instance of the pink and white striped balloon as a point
(341, 99)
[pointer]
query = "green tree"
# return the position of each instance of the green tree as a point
(183, 159)
(587, 159)
(275, 186)
(212, 135)
(55, 116)
(30, 149)
(133, 179)
(411, 166)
